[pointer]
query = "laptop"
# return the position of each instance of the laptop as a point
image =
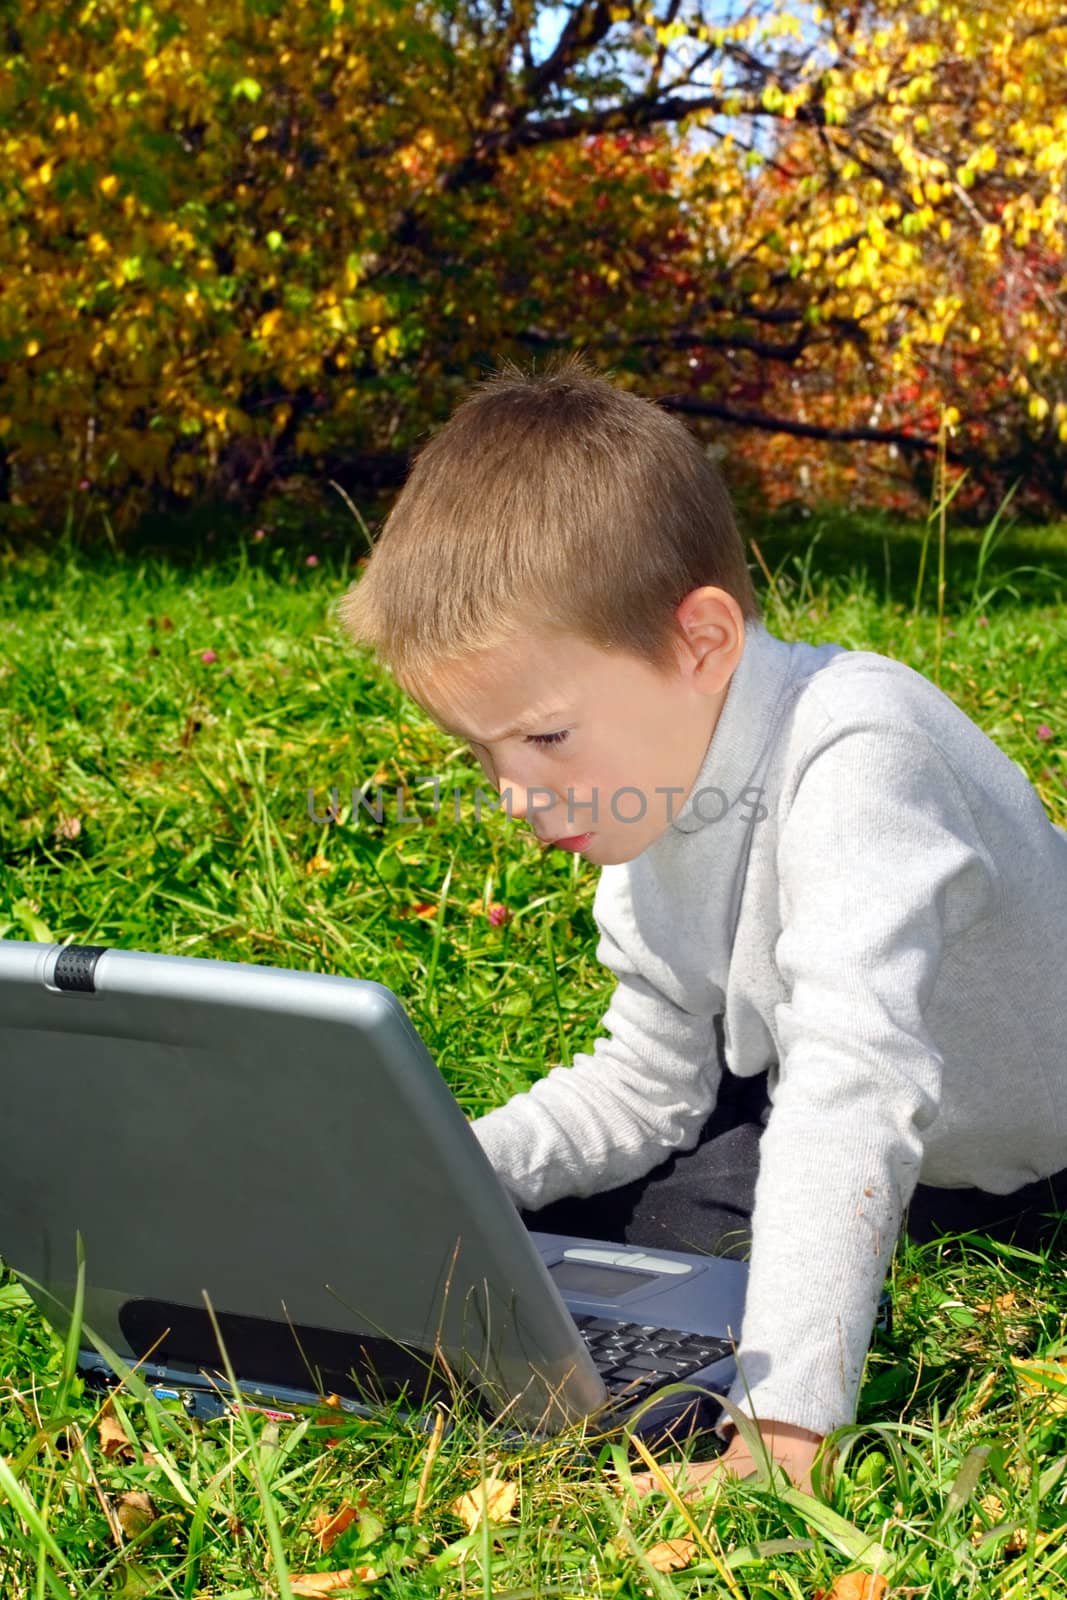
(282, 1143)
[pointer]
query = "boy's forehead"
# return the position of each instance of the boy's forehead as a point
(487, 711)
(499, 692)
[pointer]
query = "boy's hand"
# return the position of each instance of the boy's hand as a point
(790, 1447)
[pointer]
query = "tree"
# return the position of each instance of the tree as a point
(246, 239)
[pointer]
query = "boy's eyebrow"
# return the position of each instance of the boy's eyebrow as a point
(525, 726)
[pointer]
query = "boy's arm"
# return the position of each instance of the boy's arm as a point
(644, 1091)
(881, 868)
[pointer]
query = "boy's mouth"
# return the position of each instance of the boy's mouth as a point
(575, 842)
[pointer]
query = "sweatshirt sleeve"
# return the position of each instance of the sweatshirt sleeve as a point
(643, 1092)
(881, 869)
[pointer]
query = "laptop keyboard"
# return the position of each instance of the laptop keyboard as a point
(633, 1358)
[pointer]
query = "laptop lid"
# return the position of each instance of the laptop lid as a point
(283, 1141)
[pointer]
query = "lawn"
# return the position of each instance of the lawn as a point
(170, 728)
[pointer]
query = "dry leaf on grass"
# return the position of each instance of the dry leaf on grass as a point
(495, 1498)
(672, 1555)
(854, 1586)
(1003, 1302)
(316, 1583)
(993, 1506)
(1046, 1376)
(135, 1512)
(313, 1583)
(330, 1525)
(112, 1435)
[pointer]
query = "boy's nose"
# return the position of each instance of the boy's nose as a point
(528, 804)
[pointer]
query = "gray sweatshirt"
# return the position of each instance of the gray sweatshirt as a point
(873, 897)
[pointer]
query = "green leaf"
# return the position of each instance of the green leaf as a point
(31, 923)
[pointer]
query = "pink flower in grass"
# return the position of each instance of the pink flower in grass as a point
(312, 561)
(1044, 731)
(499, 915)
(208, 657)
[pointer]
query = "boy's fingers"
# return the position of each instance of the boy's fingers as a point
(688, 1476)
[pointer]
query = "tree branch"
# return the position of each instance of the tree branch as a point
(697, 406)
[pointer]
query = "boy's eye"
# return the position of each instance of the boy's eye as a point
(547, 738)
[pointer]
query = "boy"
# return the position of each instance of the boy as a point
(819, 876)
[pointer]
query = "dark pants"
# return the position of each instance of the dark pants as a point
(702, 1199)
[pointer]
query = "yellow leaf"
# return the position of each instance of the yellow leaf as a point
(854, 1586)
(260, 133)
(494, 1499)
(1003, 1302)
(1047, 1378)
(315, 1583)
(671, 1555)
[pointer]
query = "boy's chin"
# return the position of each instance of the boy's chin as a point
(617, 850)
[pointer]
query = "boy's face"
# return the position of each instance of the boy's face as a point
(589, 741)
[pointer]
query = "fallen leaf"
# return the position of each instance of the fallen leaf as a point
(135, 1512)
(425, 909)
(854, 1586)
(112, 1435)
(672, 1555)
(1003, 1302)
(330, 1527)
(1045, 1377)
(313, 1583)
(318, 863)
(495, 1497)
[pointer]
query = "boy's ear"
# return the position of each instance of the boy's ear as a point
(714, 630)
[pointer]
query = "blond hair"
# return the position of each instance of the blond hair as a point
(551, 500)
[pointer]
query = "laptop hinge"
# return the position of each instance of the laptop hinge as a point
(75, 966)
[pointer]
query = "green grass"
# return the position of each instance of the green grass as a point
(155, 800)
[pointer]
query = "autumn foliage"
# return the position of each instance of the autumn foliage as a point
(250, 240)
